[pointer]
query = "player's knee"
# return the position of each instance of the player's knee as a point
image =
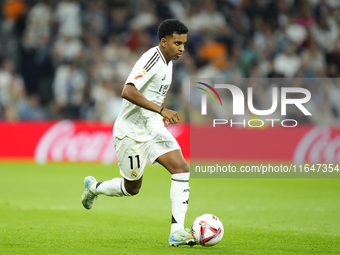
(133, 187)
(182, 168)
(133, 190)
(185, 168)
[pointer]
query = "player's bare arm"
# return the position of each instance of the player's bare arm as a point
(131, 94)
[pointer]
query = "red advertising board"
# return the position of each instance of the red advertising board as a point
(67, 141)
(92, 142)
(312, 144)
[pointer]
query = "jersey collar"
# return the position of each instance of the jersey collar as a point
(161, 54)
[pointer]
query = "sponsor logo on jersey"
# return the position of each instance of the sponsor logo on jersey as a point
(164, 89)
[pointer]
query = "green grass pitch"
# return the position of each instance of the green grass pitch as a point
(41, 213)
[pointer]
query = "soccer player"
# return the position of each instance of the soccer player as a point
(140, 131)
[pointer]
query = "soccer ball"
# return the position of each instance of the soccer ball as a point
(207, 230)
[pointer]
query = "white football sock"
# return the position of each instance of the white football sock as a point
(179, 195)
(113, 188)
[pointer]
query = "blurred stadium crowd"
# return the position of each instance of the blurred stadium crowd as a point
(70, 59)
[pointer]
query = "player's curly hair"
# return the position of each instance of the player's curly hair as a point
(170, 26)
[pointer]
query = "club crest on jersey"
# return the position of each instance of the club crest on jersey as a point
(133, 174)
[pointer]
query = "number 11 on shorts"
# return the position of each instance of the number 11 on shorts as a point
(131, 161)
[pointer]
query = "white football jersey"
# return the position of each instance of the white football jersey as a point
(152, 76)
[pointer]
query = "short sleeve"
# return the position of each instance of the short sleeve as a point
(144, 69)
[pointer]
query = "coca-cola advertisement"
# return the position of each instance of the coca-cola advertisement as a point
(319, 144)
(78, 141)
(67, 141)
